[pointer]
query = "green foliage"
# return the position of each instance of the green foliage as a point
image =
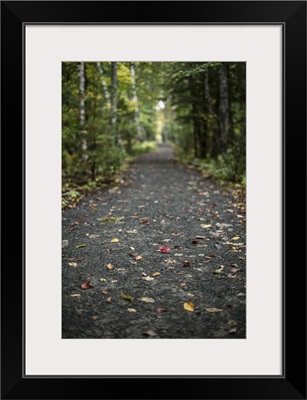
(143, 147)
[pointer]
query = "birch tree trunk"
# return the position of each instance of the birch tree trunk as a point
(81, 71)
(103, 82)
(223, 108)
(140, 131)
(117, 138)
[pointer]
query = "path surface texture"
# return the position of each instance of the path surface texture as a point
(160, 255)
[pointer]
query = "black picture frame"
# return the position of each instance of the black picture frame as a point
(292, 16)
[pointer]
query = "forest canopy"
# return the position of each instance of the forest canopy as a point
(112, 111)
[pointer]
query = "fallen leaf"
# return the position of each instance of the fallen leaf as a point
(133, 231)
(80, 245)
(166, 240)
(86, 285)
(213, 310)
(235, 238)
(109, 299)
(102, 280)
(115, 240)
(169, 261)
(194, 241)
(138, 258)
(219, 270)
(189, 306)
(131, 248)
(64, 243)
(73, 264)
(161, 309)
(183, 284)
(75, 295)
(144, 221)
(232, 330)
(241, 294)
(156, 274)
(186, 263)
(110, 266)
(232, 276)
(232, 323)
(148, 278)
(94, 236)
(95, 317)
(131, 310)
(104, 292)
(200, 237)
(127, 297)
(178, 255)
(148, 299)
(150, 333)
(205, 226)
(164, 249)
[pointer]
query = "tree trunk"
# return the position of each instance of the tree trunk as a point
(223, 109)
(103, 82)
(82, 113)
(140, 131)
(117, 137)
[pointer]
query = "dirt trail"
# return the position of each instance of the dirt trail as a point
(158, 203)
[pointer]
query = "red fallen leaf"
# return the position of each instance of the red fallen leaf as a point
(104, 292)
(161, 309)
(194, 241)
(164, 249)
(86, 285)
(183, 284)
(144, 221)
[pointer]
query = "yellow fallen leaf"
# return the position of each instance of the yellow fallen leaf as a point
(156, 274)
(189, 306)
(110, 266)
(115, 240)
(235, 238)
(138, 258)
(148, 278)
(102, 280)
(75, 295)
(213, 309)
(131, 309)
(147, 299)
(219, 270)
(205, 226)
(80, 245)
(73, 264)
(127, 297)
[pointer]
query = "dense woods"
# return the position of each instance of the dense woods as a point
(112, 111)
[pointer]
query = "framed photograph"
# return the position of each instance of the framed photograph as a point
(136, 269)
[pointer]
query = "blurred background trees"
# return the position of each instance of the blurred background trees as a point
(112, 111)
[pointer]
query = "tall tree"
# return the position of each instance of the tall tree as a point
(224, 108)
(81, 69)
(114, 101)
(138, 121)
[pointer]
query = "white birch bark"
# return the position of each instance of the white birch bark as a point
(103, 82)
(140, 131)
(82, 108)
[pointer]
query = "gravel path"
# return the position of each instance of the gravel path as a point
(116, 240)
